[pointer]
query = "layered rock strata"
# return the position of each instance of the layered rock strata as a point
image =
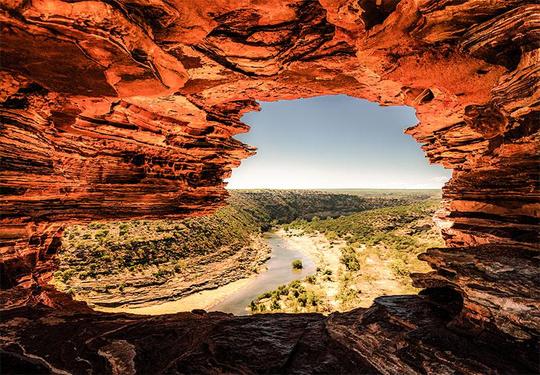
(398, 335)
(127, 109)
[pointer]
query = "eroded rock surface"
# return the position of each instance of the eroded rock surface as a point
(398, 335)
(126, 109)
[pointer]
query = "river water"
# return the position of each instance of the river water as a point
(239, 294)
(279, 272)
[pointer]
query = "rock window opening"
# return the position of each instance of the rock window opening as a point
(331, 213)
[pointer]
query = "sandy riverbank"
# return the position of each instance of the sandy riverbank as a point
(326, 255)
(316, 246)
(205, 300)
(358, 289)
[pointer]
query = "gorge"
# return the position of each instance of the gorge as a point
(123, 110)
(224, 261)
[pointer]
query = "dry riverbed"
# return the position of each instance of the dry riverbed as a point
(334, 287)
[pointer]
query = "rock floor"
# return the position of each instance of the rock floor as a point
(397, 335)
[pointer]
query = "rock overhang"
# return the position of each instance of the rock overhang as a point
(119, 110)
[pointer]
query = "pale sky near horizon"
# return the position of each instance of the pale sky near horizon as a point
(333, 142)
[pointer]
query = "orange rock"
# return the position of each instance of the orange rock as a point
(120, 110)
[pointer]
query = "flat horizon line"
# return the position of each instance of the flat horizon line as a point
(320, 188)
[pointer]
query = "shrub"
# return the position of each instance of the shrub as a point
(331, 236)
(349, 259)
(264, 295)
(295, 284)
(297, 264)
(312, 299)
(123, 229)
(283, 290)
(399, 268)
(95, 225)
(67, 275)
(161, 273)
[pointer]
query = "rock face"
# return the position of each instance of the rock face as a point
(127, 109)
(398, 335)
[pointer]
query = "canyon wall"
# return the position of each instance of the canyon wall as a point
(127, 109)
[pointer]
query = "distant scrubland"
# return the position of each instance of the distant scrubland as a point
(377, 251)
(111, 254)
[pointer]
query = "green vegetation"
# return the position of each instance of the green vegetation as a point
(396, 227)
(297, 264)
(293, 297)
(101, 249)
(111, 254)
(350, 259)
(377, 250)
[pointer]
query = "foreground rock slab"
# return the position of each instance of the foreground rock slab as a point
(127, 109)
(397, 335)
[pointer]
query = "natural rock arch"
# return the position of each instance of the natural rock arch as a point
(118, 110)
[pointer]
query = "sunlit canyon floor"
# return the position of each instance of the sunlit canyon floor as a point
(368, 250)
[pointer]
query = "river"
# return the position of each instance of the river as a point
(235, 297)
(279, 272)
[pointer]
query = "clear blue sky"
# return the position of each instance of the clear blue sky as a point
(333, 142)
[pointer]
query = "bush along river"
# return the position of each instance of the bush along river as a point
(279, 271)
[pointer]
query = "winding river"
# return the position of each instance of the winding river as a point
(279, 272)
(235, 297)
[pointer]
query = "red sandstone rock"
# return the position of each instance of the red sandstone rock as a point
(398, 335)
(118, 110)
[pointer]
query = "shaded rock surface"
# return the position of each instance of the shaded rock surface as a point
(399, 334)
(119, 110)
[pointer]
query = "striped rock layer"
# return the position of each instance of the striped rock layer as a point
(127, 109)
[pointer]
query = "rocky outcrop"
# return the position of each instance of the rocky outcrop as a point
(398, 335)
(119, 110)
(508, 296)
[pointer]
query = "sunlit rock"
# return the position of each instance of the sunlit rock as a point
(120, 110)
